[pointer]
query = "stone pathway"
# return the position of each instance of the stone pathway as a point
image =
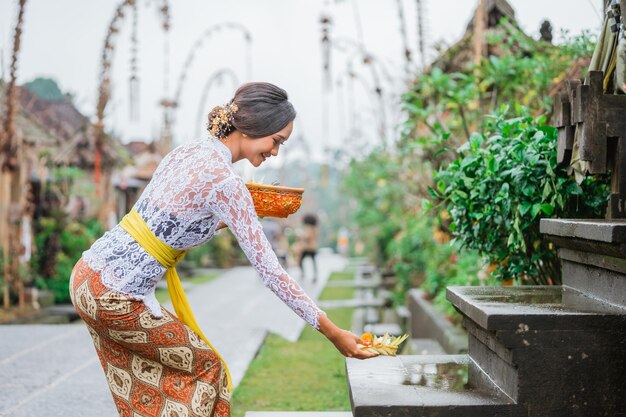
(52, 370)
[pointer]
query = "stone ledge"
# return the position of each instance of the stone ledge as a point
(298, 413)
(609, 263)
(427, 323)
(609, 231)
(597, 277)
(536, 307)
(380, 329)
(419, 386)
(359, 284)
(422, 347)
(352, 303)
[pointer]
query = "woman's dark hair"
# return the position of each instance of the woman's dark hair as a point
(258, 109)
(310, 219)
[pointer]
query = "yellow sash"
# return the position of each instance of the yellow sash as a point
(168, 257)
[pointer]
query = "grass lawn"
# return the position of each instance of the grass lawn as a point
(163, 295)
(308, 375)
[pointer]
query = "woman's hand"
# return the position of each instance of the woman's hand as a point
(344, 341)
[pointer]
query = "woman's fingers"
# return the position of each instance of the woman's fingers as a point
(361, 354)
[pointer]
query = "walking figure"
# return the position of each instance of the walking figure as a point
(309, 244)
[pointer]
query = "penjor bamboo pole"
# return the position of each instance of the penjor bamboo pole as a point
(479, 31)
(10, 168)
(5, 198)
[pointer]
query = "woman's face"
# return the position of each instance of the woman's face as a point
(259, 150)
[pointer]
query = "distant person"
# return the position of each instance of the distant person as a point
(308, 244)
(343, 241)
(156, 363)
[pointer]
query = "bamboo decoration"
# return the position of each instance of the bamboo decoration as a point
(326, 23)
(421, 32)
(10, 142)
(408, 59)
(134, 77)
(215, 78)
(102, 167)
(170, 105)
(208, 33)
(13, 191)
(375, 67)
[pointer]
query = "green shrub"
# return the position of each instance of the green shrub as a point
(502, 184)
(59, 247)
(423, 255)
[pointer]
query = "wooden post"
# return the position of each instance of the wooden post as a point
(480, 23)
(10, 165)
(5, 198)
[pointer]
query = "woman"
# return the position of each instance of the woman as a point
(156, 364)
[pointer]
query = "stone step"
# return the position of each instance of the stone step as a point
(426, 322)
(522, 336)
(425, 386)
(423, 347)
(380, 329)
(298, 413)
(352, 303)
(353, 283)
(535, 308)
(358, 320)
(371, 316)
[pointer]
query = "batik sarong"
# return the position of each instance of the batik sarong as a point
(155, 367)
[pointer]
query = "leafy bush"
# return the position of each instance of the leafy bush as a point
(408, 253)
(451, 266)
(390, 186)
(502, 184)
(378, 197)
(59, 246)
(423, 255)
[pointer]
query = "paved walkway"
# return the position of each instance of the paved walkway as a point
(52, 370)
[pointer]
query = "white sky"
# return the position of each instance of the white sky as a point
(63, 40)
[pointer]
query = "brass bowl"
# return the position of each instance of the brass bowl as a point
(275, 201)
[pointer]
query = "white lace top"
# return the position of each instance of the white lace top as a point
(194, 187)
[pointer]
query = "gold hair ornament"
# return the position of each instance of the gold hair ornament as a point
(222, 122)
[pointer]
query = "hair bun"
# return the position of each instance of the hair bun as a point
(221, 120)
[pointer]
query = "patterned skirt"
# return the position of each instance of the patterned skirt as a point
(155, 367)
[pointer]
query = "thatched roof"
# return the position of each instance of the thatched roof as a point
(461, 55)
(145, 159)
(496, 11)
(55, 131)
(60, 118)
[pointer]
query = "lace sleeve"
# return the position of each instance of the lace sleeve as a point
(233, 204)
